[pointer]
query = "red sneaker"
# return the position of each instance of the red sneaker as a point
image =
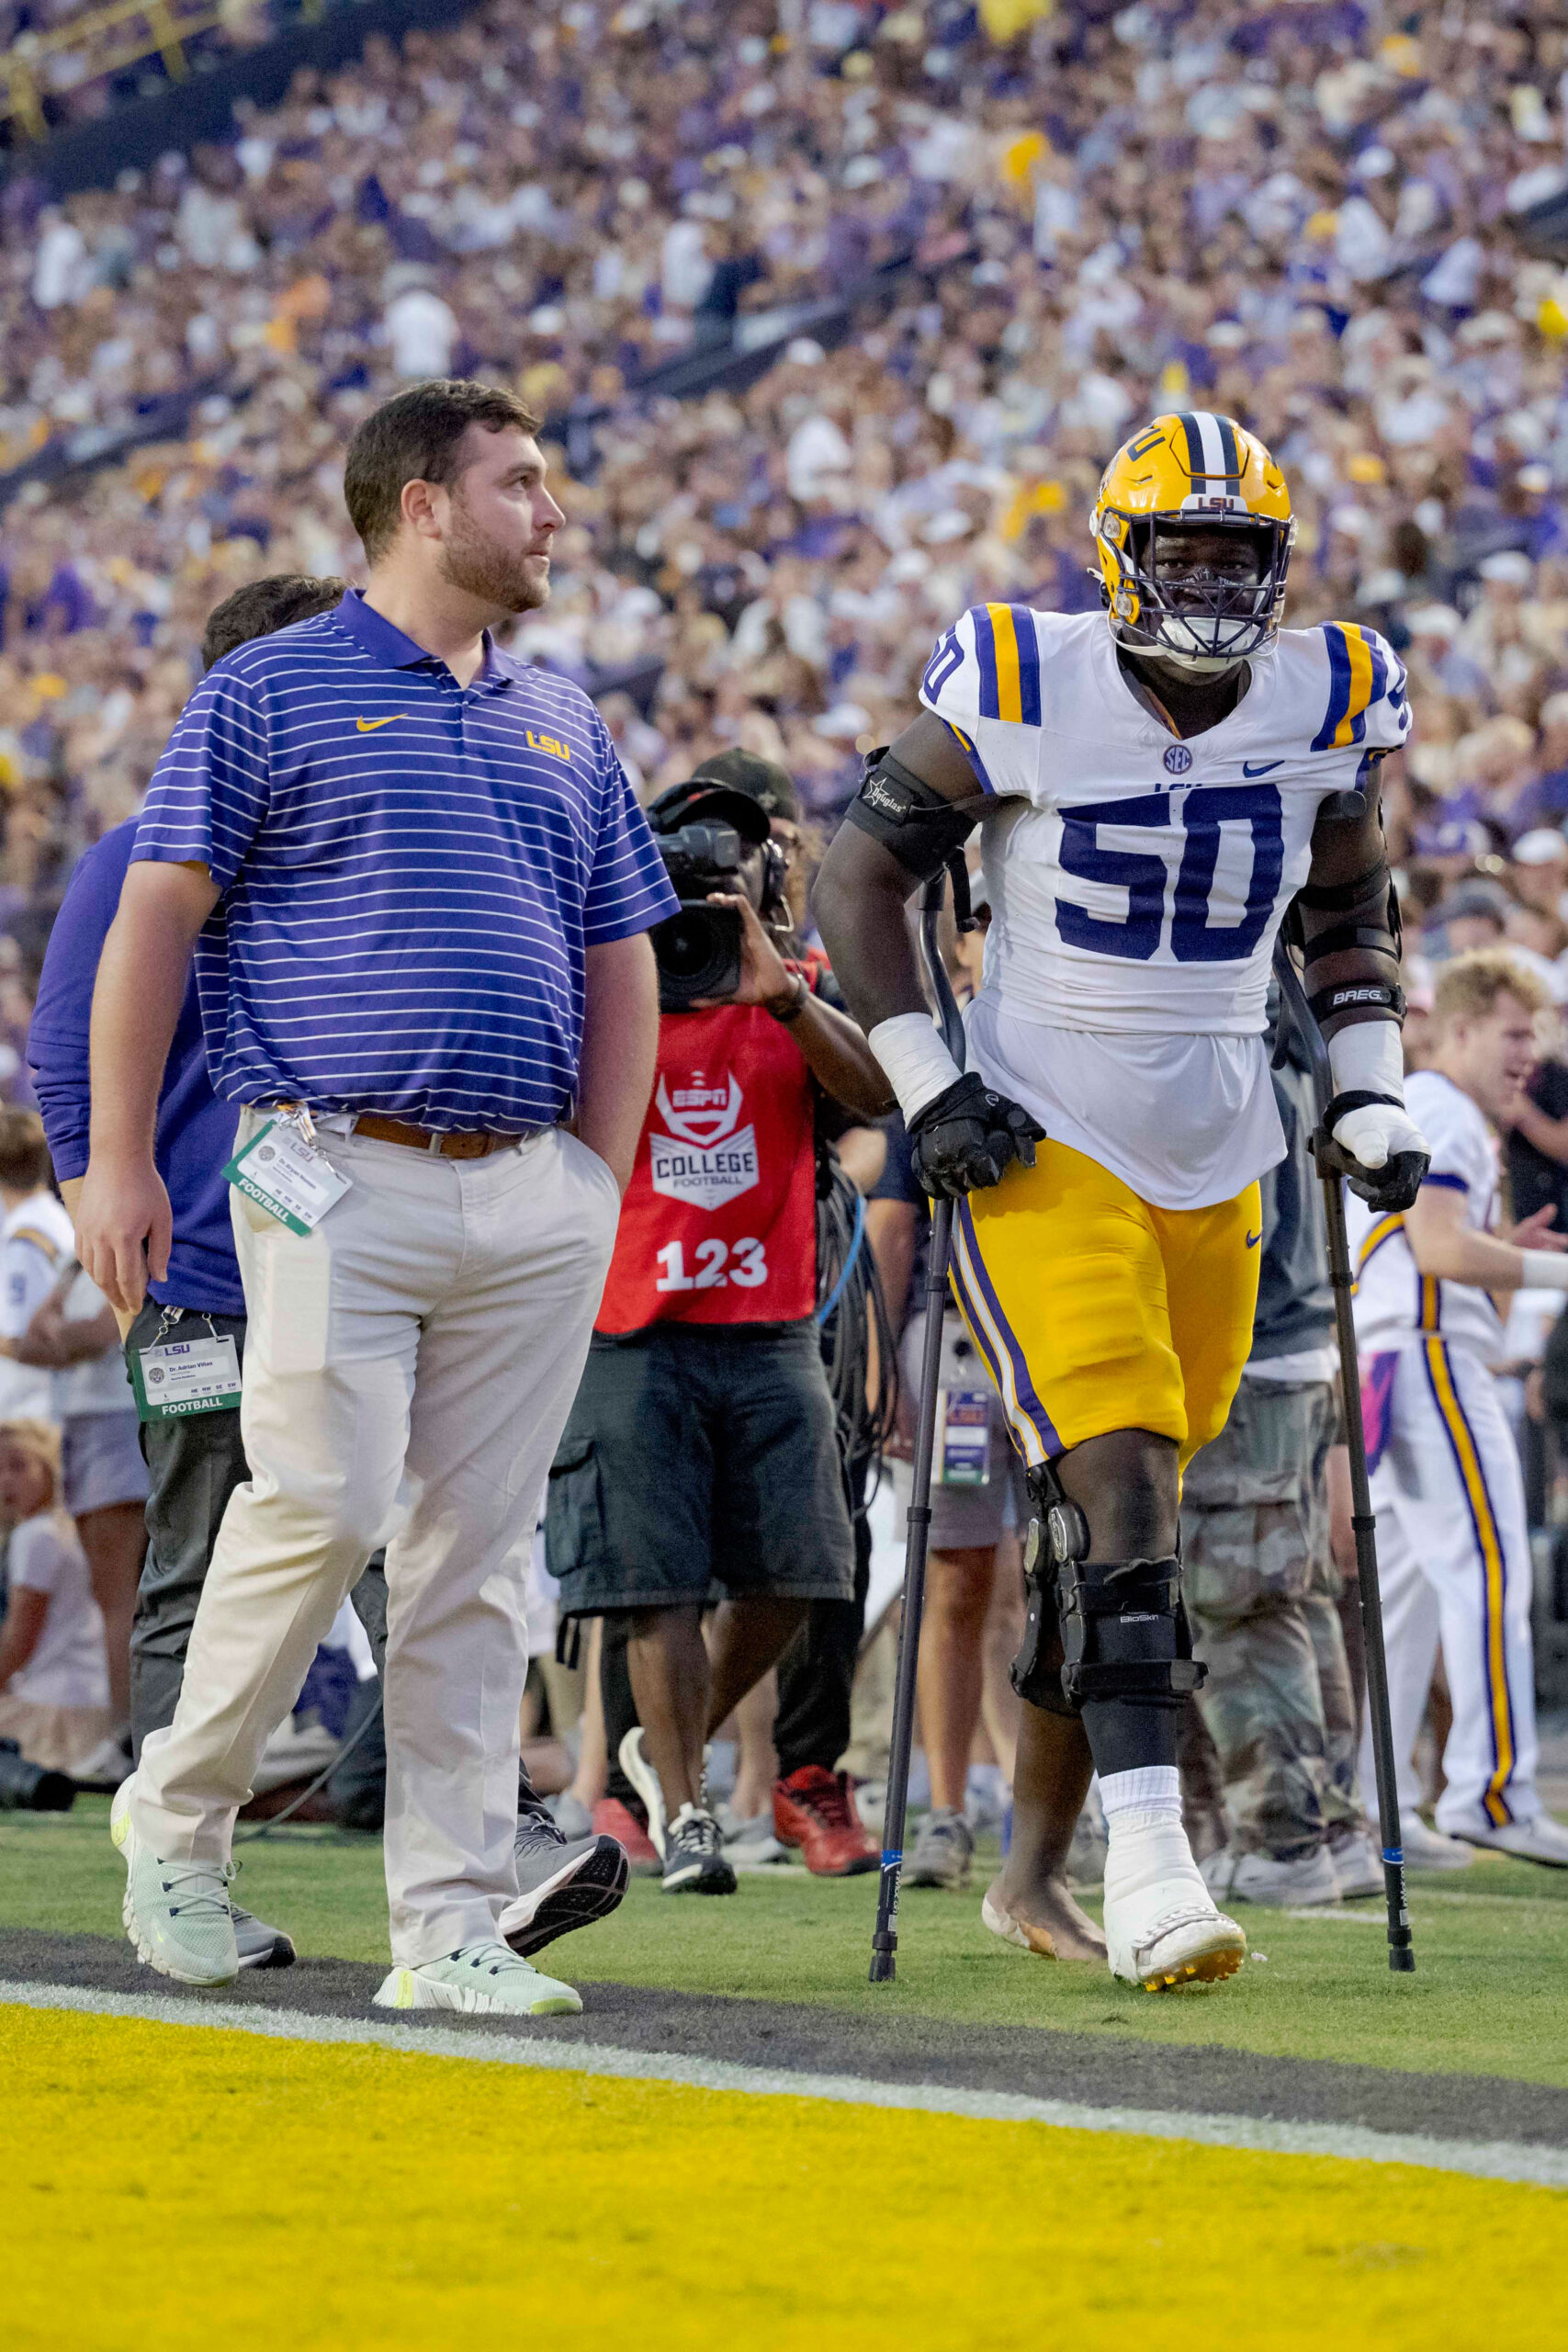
(613, 1819)
(814, 1810)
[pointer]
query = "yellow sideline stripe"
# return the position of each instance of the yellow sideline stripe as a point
(1010, 692)
(1360, 656)
(1469, 1462)
(331, 2197)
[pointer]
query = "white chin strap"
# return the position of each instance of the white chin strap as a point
(1200, 665)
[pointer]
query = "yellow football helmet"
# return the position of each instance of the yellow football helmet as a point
(1182, 474)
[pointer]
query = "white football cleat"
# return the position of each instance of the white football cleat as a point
(1161, 1925)
(1540, 1840)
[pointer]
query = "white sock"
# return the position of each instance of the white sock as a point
(1139, 1799)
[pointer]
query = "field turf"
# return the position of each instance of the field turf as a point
(1490, 1995)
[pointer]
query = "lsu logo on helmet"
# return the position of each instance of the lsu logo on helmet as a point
(1182, 473)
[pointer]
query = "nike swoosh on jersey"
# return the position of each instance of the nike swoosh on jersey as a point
(1259, 767)
(1253, 1240)
(368, 726)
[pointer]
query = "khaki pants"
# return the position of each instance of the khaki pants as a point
(409, 1369)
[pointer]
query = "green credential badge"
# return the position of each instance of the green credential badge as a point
(287, 1176)
(181, 1378)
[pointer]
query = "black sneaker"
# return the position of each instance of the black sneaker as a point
(693, 1855)
(562, 1882)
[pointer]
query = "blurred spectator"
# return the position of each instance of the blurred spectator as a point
(1474, 915)
(1544, 801)
(35, 1245)
(53, 1682)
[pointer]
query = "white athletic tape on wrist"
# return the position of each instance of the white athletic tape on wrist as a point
(1545, 1269)
(1369, 1056)
(918, 1064)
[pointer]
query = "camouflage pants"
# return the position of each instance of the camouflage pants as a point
(1259, 1582)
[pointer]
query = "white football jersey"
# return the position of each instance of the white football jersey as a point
(1395, 1306)
(1137, 883)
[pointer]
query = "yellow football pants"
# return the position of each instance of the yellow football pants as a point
(1096, 1311)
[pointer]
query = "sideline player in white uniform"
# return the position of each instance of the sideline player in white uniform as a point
(1152, 794)
(1453, 1544)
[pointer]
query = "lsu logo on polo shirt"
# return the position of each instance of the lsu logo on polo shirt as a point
(550, 744)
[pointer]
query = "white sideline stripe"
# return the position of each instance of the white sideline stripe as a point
(1483, 2160)
(1317, 1913)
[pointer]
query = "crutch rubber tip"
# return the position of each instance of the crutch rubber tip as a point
(883, 1967)
(1402, 1959)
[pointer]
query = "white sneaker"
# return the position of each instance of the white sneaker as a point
(478, 1977)
(749, 1843)
(1540, 1840)
(638, 1766)
(107, 1765)
(1357, 1864)
(1258, 1878)
(1429, 1850)
(1161, 1925)
(176, 1914)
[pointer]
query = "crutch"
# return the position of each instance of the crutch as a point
(1333, 1165)
(884, 1939)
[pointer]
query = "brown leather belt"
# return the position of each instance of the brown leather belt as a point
(449, 1146)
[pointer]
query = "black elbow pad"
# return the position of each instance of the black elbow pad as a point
(1358, 919)
(907, 816)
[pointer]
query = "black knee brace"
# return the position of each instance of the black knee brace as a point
(1057, 1532)
(1098, 1629)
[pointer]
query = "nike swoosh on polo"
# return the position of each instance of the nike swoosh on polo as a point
(1253, 1240)
(1248, 768)
(368, 726)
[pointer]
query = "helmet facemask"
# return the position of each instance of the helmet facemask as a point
(1206, 620)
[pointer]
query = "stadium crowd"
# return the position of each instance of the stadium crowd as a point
(1303, 215)
(1053, 222)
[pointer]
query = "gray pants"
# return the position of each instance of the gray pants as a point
(193, 1467)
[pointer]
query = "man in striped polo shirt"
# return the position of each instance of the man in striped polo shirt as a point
(417, 888)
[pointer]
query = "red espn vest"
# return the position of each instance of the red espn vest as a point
(719, 1222)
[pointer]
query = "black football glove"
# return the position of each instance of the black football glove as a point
(1385, 1155)
(967, 1137)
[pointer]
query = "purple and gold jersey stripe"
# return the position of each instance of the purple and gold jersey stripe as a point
(1008, 652)
(1489, 1543)
(1359, 674)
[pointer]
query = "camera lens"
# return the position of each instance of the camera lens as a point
(686, 946)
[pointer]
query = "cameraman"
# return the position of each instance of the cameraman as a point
(701, 1448)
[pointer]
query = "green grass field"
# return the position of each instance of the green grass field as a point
(1490, 1994)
